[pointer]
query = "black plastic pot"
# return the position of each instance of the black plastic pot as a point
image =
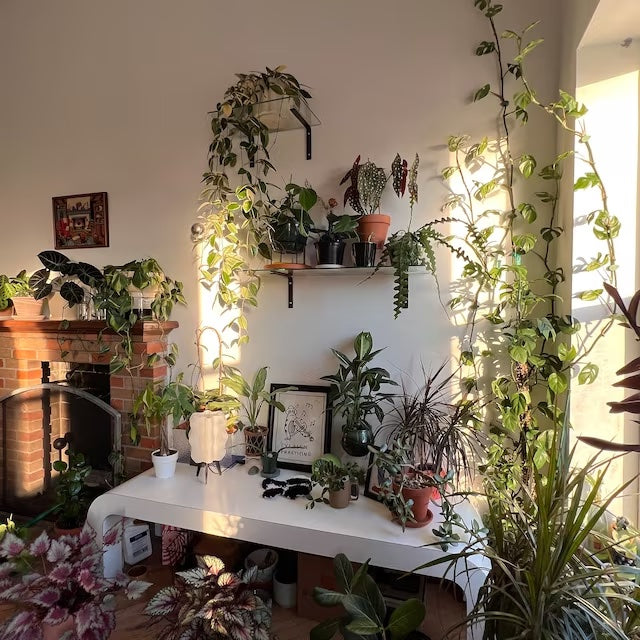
(330, 251)
(364, 254)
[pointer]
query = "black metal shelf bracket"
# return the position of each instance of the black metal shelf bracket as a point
(289, 276)
(307, 127)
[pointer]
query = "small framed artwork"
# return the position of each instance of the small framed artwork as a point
(81, 221)
(374, 479)
(304, 425)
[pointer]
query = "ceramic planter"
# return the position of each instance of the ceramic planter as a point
(255, 439)
(340, 499)
(286, 237)
(269, 463)
(374, 228)
(164, 466)
(356, 442)
(26, 307)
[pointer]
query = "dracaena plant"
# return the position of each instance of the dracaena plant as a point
(209, 602)
(49, 581)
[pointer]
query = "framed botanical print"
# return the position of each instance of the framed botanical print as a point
(301, 432)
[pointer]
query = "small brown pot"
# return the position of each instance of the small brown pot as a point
(374, 228)
(59, 531)
(341, 498)
(255, 441)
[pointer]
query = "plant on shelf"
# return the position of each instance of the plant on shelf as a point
(210, 602)
(57, 586)
(356, 394)
(252, 396)
(365, 609)
(13, 287)
(289, 223)
(237, 118)
(406, 489)
(66, 283)
(72, 494)
(331, 241)
(336, 479)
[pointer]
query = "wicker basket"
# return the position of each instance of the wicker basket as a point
(255, 441)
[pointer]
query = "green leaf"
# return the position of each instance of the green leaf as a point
(344, 572)
(588, 374)
(567, 353)
(481, 93)
(546, 328)
(558, 382)
(363, 614)
(325, 630)
(326, 597)
(528, 212)
(527, 165)
(485, 47)
(406, 618)
(591, 295)
(589, 179)
(518, 353)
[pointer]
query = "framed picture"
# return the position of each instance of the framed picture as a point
(81, 221)
(374, 478)
(305, 424)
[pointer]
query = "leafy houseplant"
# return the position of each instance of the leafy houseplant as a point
(252, 396)
(336, 479)
(366, 610)
(59, 584)
(290, 222)
(406, 489)
(13, 287)
(366, 184)
(209, 602)
(356, 394)
(71, 491)
(331, 241)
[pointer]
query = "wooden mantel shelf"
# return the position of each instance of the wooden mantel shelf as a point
(146, 329)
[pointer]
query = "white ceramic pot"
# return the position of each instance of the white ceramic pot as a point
(164, 466)
(284, 593)
(266, 561)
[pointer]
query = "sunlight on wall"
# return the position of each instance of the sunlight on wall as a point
(612, 123)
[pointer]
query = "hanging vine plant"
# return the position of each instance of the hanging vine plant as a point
(241, 139)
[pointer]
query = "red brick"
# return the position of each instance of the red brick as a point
(117, 382)
(24, 354)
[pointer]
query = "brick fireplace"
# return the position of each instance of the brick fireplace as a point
(26, 345)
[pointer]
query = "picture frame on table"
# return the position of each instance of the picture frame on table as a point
(373, 479)
(305, 423)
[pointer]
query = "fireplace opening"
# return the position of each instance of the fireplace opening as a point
(71, 409)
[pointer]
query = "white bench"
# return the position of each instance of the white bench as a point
(232, 506)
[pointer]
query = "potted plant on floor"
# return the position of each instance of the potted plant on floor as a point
(252, 396)
(209, 602)
(71, 493)
(58, 589)
(356, 394)
(365, 609)
(337, 480)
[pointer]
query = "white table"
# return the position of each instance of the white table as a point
(232, 506)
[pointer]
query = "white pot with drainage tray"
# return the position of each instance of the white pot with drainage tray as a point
(136, 541)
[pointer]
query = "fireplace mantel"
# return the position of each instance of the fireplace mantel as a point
(26, 344)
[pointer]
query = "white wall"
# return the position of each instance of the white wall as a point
(113, 96)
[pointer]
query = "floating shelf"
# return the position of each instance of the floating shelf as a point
(355, 272)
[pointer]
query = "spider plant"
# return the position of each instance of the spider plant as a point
(543, 583)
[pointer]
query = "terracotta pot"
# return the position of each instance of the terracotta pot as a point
(421, 498)
(255, 441)
(374, 228)
(26, 307)
(53, 632)
(6, 313)
(341, 498)
(60, 531)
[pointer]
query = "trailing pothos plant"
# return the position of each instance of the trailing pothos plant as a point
(517, 350)
(241, 138)
(519, 359)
